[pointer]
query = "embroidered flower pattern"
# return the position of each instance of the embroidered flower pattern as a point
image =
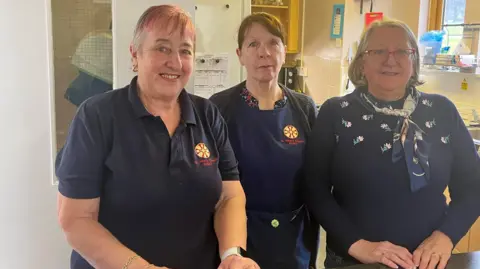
(396, 137)
(415, 160)
(337, 138)
(346, 123)
(430, 124)
(367, 117)
(385, 127)
(427, 103)
(386, 147)
(344, 104)
(418, 136)
(445, 139)
(357, 140)
(251, 101)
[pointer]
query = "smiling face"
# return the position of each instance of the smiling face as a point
(164, 56)
(388, 65)
(262, 53)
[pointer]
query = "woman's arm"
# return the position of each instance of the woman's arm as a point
(80, 169)
(464, 188)
(79, 221)
(464, 185)
(318, 195)
(230, 217)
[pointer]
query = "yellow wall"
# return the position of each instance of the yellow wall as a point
(472, 11)
(321, 56)
(326, 63)
(407, 11)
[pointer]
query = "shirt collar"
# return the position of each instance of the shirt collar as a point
(186, 104)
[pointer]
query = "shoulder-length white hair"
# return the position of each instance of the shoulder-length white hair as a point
(355, 70)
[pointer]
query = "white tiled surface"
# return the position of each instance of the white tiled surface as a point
(449, 85)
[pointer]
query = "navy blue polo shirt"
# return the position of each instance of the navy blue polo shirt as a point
(157, 193)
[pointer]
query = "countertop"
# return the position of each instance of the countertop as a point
(457, 261)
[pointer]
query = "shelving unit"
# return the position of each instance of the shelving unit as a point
(269, 6)
(289, 14)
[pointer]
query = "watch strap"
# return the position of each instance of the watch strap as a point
(231, 251)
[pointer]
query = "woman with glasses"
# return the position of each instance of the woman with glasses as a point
(379, 160)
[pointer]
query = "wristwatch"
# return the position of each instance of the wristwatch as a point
(239, 251)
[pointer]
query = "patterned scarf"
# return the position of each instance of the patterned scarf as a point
(408, 139)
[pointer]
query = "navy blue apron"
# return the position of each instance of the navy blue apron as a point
(269, 146)
(275, 239)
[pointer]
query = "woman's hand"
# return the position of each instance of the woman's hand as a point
(382, 252)
(238, 262)
(436, 249)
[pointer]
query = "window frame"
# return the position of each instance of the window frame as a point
(435, 15)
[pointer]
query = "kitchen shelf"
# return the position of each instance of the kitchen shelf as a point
(289, 15)
(269, 6)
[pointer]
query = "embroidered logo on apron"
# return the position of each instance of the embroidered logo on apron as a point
(291, 133)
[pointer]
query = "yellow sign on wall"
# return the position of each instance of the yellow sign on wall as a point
(464, 84)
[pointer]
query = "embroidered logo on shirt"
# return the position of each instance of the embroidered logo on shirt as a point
(346, 123)
(427, 103)
(385, 127)
(430, 124)
(337, 138)
(358, 140)
(344, 104)
(386, 147)
(202, 151)
(445, 139)
(367, 117)
(291, 133)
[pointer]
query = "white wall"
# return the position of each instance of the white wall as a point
(322, 56)
(217, 29)
(29, 234)
(450, 85)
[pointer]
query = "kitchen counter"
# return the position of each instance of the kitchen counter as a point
(475, 132)
(457, 261)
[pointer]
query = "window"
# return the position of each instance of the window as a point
(82, 56)
(452, 22)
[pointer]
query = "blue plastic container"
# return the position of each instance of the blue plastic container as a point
(435, 45)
